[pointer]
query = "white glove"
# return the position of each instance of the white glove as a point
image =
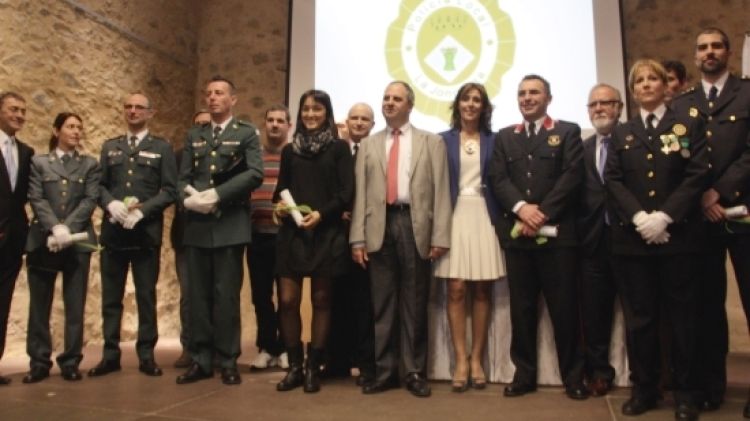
(639, 218)
(209, 197)
(62, 236)
(52, 244)
(133, 218)
(196, 204)
(660, 239)
(654, 226)
(118, 210)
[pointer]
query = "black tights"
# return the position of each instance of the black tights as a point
(289, 304)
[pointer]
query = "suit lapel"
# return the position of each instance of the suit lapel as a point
(56, 165)
(24, 155)
(4, 169)
(485, 147)
(380, 154)
(453, 148)
(589, 157)
(728, 93)
(417, 146)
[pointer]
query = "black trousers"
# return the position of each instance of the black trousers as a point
(11, 259)
(597, 295)
(180, 265)
(351, 341)
(215, 283)
(647, 283)
(713, 329)
(42, 267)
(114, 267)
(552, 273)
(400, 288)
(261, 262)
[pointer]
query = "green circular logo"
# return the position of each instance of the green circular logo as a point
(437, 46)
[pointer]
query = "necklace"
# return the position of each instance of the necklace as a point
(470, 144)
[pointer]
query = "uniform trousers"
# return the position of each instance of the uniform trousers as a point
(647, 283)
(114, 266)
(42, 268)
(261, 262)
(180, 265)
(400, 280)
(215, 283)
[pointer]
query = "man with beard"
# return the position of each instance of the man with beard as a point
(722, 101)
(597, 282)
(261, 254)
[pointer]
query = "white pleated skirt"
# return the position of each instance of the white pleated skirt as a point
(475, 253)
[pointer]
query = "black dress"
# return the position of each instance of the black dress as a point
(324, 182)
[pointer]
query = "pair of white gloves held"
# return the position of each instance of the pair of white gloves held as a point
(60, 238)
(652, 226)
(204, 202)
(120, 214)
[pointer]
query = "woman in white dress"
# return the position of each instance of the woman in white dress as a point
(475, 258)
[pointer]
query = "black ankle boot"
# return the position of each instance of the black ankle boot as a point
(312, 370)
(295, 376)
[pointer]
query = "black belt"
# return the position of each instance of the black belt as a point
(398, 207)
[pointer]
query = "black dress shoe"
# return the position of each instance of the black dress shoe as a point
(746, 411)
(149, 368)
(71, 374)
(193, 374)
(184, 360)
(104, 367)
(418, 385)
(364, 378)
(518, 389)
(4, 381)
(379, 386)
(637, 406)
(709, 405)
(577, 392)
(599, 387)
(230, 376)
(686, 412)
(35, 375)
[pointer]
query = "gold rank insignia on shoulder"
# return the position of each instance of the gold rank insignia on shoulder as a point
(679, 129)
(553, 140)
(693, 112)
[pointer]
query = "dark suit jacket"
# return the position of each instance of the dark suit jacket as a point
(727, 126)
(545, 170)
(14, 222)
(590, 215)
(60, 196)
(149, 173)
(452, 140)
(640, 177)
(202, 159)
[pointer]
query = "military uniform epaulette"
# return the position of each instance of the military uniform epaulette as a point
(245, 123)
(115, 139)
(685, 92)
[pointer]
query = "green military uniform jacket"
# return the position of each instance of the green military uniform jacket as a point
(234, 167)
(149, 173)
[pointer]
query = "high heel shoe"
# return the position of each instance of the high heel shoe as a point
(461, 385)
(477, 382)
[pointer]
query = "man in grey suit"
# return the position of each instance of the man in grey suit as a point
(400, 222)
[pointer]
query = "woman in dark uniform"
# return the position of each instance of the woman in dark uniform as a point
(63, 189)
(655, 174)
(316, 169)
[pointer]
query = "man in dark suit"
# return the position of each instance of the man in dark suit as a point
(14, 186)
(401, 221)
(352, 332)
(135, 166)
(722, 101)
(535, 172)
(221, 165)
(597, 292)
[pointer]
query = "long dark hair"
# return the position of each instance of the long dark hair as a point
(320, 97)
(485, 118)
(58, 123)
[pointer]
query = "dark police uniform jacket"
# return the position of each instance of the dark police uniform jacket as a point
(60, 196)
(668, 174)
(149, 173)
(234, 167)
(545, 170)
(727, 124)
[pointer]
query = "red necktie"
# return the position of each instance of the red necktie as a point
(392, 174)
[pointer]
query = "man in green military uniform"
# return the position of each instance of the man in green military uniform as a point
(139, 176)
(221, 165)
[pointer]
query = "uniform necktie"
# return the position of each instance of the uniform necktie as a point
(603, 151)
(133, 139)
(392, 173)
(66, 161)
(532, 129)
(10, 163)
(217, 131)
(650, 128)
(712, 93)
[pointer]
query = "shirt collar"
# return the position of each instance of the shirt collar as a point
(223, 124)
(60, 153)
(404, 129)
(140, 135)
(658, 112)
(719, 83)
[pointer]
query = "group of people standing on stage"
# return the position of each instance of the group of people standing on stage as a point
(645, 210)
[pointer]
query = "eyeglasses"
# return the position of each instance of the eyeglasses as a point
(604, 104)
(135, 107)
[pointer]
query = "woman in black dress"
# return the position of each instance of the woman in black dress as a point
(316, 169)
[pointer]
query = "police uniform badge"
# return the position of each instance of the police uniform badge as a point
(553, 140)
(679, 129)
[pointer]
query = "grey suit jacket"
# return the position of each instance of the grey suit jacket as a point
(59, 196)
(429, 188)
